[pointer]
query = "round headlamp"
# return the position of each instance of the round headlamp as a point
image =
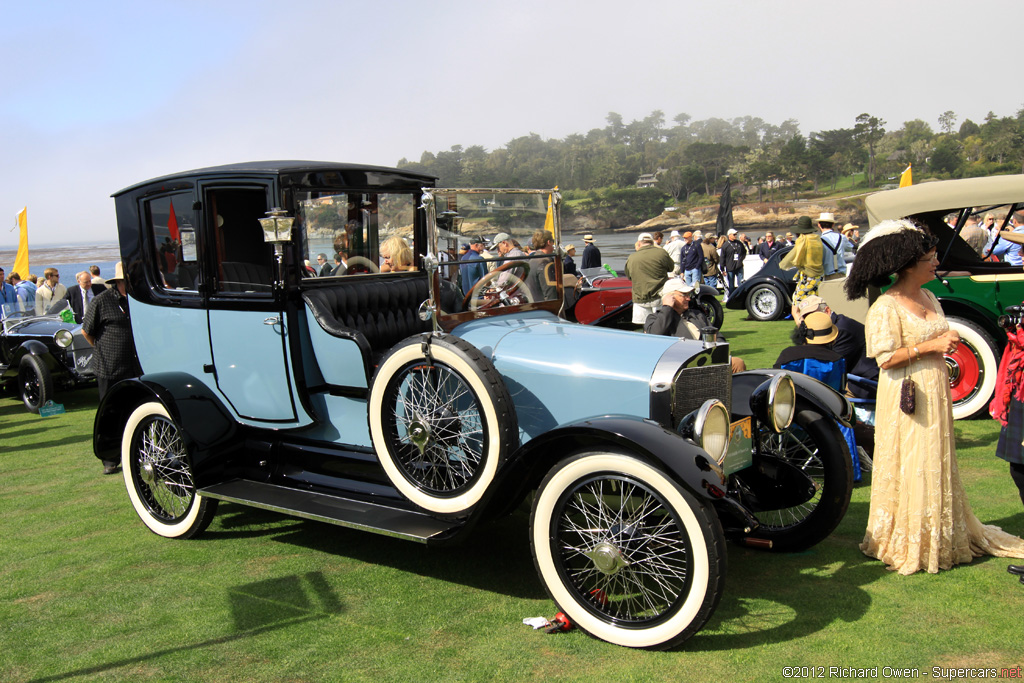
(781, 401)
(63, 338)
(711, 429)
(773, 402)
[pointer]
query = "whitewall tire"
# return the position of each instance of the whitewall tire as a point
(441, 426)
(158, 475)
(626, 553)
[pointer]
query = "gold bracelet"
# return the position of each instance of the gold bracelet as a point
(917, 353)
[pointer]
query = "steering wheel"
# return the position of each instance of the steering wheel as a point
(358, 265)
(486, 293)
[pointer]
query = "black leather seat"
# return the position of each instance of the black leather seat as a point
(377, 314)
(240, 276)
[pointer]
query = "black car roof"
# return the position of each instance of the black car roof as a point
(292, 166)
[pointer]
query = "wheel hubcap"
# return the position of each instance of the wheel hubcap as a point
(966, 373)
(147, 473)
(419, 434)
(607, 558)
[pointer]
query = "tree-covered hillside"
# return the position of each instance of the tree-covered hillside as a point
(686, 160)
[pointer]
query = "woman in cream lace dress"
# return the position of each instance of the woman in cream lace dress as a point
(919, 516)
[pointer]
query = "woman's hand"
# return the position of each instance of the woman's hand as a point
(945, 343)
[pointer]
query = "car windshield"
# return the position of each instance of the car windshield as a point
(16, 313)
(506, 243)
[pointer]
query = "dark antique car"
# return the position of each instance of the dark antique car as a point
(768, 293)
(42, 353)
(601, 297)
(395, 403)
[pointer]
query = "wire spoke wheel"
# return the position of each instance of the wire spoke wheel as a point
(442, 422)
(164, 481)
(628, 554)
(622, 550)
(158, 475)
(435, 421)
(793, 446)
(814, 446)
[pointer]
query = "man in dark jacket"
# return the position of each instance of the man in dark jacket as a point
(733, 253)
(768, 247)
(591, 254)
(676, 318)
(691, 258)
(108, 329)
(80, 297)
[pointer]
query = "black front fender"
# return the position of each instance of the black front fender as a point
(821, 395)
(210, 433)
(681, 459)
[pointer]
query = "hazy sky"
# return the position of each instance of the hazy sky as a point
(96, 96)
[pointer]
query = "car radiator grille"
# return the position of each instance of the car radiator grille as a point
(693, 386)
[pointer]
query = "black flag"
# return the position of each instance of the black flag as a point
(724, 222)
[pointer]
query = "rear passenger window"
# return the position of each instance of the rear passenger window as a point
(169, 221)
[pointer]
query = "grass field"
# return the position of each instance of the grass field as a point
(87, 593)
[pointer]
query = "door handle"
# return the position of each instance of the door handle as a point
(271, 321)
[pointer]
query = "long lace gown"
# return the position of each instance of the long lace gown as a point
(919, 516)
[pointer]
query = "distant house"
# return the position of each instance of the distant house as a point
(649, 179)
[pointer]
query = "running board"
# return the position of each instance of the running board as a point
(355, 514)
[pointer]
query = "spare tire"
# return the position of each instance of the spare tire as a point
(442, 422)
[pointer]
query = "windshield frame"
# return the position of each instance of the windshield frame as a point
(449, 320)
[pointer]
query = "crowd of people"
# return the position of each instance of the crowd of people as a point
(48, 293)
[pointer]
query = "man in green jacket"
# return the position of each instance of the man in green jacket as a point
(648, 268)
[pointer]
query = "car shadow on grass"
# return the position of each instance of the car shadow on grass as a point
(494, 557)
(768, 597)
(256, 608)
(779, 597)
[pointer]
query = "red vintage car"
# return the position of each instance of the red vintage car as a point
(604, 299)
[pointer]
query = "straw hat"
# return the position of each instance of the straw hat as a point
(820, 329)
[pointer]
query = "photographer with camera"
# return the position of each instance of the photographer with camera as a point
(1008, 404)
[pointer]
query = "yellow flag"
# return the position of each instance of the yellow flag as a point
(21, 260)
(549, 220)
(907, 177)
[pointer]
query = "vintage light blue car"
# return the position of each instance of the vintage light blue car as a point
(417, 393)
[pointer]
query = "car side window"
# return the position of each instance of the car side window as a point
(169, 222)
(367, 232)
(243, 261)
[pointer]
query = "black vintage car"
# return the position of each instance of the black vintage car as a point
(768, 293)
(41, 353)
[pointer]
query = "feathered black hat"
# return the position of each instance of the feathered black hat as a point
(890, 246)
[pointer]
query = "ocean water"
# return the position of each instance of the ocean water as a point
(68, 260)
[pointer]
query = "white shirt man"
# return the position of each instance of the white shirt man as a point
(673, 246)
(833, 259)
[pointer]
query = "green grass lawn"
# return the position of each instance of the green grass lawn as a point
(88, 593)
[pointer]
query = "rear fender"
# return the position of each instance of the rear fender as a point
(821, 395)
(210, 434)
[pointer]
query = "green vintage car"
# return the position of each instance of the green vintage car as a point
(973, 292)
